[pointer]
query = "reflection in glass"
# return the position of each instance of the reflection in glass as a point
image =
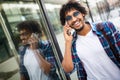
(4, 47)
(42, 66)
(13, 13)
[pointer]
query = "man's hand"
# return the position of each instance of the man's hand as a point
(33, 41)
(68, 38)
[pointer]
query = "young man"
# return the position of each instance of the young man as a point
(88, 51)
(37, 61)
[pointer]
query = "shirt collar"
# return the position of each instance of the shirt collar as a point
(94, 29)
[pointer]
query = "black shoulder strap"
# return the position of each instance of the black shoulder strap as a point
(100, 27)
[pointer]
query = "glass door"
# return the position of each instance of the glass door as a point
(12, 13)
(9, 65)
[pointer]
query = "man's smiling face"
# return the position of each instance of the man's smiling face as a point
(75, 19)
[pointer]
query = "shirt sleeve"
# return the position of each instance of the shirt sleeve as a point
(115, 38)
(47, 52)
(23, 70)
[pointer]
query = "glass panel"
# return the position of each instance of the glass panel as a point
(52, 10)
(4, 47)
(8, 63)
(15, 12)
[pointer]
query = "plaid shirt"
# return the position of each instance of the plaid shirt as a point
(45, 50)
(114, 35)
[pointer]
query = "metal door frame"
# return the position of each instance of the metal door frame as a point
(10, 41)
(52, 36)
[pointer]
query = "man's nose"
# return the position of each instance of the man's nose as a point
(74, 18)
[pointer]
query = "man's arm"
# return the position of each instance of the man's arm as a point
(67, 62)
(116, 36)
(34, 45)
(44, 64)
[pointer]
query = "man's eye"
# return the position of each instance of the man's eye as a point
(68, 18)
(76, 14)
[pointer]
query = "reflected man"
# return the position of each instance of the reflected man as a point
(37, 61)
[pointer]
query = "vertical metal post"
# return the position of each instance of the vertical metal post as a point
(89, 10)
(56, 46)
(99, 11)
(10, 42)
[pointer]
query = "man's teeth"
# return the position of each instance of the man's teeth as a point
(76, 23)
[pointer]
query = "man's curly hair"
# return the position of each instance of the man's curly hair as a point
(69, 6)
(30, 25)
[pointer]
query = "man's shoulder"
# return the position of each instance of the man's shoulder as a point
(21, 48)
(44, 45)
(104, 25)
(102, 22)
(44, 42)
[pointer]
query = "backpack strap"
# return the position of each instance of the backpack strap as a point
(100, 27)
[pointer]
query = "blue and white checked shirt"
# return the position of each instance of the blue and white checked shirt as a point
(46, 51)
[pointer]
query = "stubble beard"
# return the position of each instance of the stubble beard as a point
(79, 29)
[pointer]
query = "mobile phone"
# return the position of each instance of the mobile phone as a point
(71, 31)
(34, 35)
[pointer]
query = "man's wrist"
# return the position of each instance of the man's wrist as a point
(68, 43)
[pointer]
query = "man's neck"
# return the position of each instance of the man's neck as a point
(85, 30)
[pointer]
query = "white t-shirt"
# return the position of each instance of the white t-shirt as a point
(96, 62)
(32, 66)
